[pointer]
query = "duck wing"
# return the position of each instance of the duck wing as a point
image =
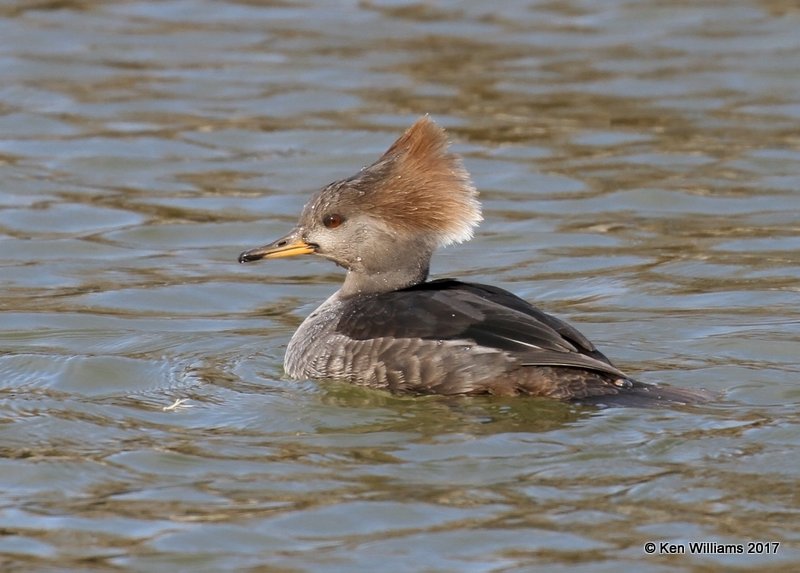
(485, 315)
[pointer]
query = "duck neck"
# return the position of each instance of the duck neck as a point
(362, 282)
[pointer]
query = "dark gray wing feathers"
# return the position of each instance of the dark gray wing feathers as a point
(489, 316)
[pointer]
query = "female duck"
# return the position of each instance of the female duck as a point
(389, 327)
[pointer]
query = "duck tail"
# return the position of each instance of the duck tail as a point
(642, 395)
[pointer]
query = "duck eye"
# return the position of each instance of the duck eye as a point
(332, 221)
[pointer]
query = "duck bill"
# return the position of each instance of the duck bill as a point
(288, 246)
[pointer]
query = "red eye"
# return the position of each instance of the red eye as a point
(332, 221)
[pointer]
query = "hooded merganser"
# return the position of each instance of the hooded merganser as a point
(389, 327)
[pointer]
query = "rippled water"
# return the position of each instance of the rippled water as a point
(638, 163)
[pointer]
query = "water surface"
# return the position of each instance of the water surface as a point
(638, 164)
